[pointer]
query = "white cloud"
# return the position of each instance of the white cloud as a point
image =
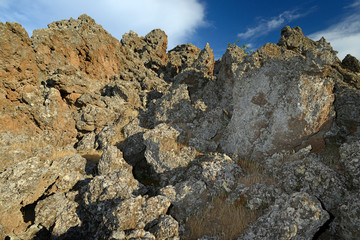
(178, 18)
(345, 35)
(266, 26)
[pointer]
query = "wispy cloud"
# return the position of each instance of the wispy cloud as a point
(345, 35)
(267, 25)
(354, 4)
(179, 19)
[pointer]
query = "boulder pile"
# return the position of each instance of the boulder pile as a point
(109, 139)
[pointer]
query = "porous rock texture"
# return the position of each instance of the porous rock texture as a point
(299, 217)
(284, 107)
(109, 139)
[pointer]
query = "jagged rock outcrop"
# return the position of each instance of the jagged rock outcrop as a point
(298, 217)
(312, 176)
(284, 107)
(205, 178)
(350, 162)
(180, 58)
(166, 227)
(18, 68)
(29, 180)
(346, 107)
(78, 42)
(346, 222)
(109, 139)
(163, 153)
(58, 212)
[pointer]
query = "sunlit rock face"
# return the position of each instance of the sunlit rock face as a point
(282, 97)
(109, 139)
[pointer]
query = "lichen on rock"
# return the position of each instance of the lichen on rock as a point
(109, 139)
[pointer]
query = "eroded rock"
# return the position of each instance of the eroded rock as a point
(59, 213)
(29, 180)
(299, 217)
(350, 160)
(172, 115)
(135, 213)
(94, 53)
(284, 107)
(163, 152)
(165, 227)
(309, 175)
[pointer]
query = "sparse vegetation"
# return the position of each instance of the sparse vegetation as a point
(244, 47)
(224, 219)
(93, 155)
(220, 218)
(254, 173)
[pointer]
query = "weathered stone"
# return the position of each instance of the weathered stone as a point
(103, 138)
(31, 178)
(174, 107)
(220, 173)
(18, 69)
(286, 108)
(163, 152)
(101, 191)
(191, 195)
(320, 52)
(173, 115)
(140, 234)
(136, 212)
(112, 161)
(347, 111)
(226, 77)
(58, 213)
(166, 227)
(71, 83)
(350, 62)
(299, 217)
(86, 143)
(93, 118)
(113, 134)
(350, 161)
(215, 174)
(261, 196)
(156, 47)
(81, 43)
(133, 146)
(206, 130)
(180, 58)
(205, 62)
(347, 222)
(169, 192)
(311, 176)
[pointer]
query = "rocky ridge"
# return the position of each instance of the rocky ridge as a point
(109, 139)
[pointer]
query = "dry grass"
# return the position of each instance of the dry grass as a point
(60, 154)
(254, 173)
(220, 218)
(92, 155)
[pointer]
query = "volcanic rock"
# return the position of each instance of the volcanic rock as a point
(298, 217)
(109, 139)
(284, 107)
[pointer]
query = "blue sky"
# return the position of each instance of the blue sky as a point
(218, 22)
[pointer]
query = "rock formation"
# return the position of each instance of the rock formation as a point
(109, 139)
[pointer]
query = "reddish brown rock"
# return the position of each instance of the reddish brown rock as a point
(180, 58)
(17, 60)
(81, 43)
(18, 75)
(205, 62)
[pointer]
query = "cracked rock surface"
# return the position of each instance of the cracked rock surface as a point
(103, 138)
